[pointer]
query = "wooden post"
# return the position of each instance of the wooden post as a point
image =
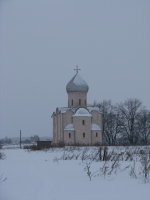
(105, 154)
(20, 139)
(100, 153)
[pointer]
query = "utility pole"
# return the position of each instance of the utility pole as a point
(20, 139)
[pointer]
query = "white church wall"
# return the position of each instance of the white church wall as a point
(59, 128)
(75, 96)
(80, 129)
(96, 118)
(55, 135)
(69, 137)
(96, 137)
(67, 118)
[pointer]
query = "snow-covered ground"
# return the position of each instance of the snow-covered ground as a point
(33, 175)
(16, 146)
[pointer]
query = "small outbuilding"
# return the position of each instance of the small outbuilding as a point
(44, 144)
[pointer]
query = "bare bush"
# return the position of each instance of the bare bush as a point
(87, 168)
(114, 167)
(144, 170)
(2, 156)
(84, 154)
(110, 159)
(132, 171)
(2, 179)
(56, 160)
(37, 148)
(104, 169)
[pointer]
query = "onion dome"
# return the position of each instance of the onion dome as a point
(77, 84)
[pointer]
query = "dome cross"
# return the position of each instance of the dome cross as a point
(77, 69)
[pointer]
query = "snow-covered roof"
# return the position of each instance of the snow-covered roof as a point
(73, 109)
(93, 108)
(65, 109)
(95, 127)
(82, 112)
(69, 127)
(77, 84)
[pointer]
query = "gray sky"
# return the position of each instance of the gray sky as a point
(43, 41)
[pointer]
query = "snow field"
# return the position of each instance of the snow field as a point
(34, 175)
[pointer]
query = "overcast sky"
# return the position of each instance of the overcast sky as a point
(41, 42)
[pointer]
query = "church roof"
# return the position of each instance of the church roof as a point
(90, 108)
(69, 127)
(77, 84)
(73, 109)
(95, 127)
(82, 112)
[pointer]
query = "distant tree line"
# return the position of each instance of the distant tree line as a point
(125, 123)
(5, 140)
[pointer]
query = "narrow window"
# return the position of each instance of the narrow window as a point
(72, 102)
(83, 122)
(79, 101)
(83, 134)
(69, 135)
(85, 102)
(96, 135)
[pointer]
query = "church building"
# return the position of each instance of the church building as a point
(77, 123)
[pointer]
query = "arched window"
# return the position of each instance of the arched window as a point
(83, 122)
(96, 134)
(83, 134)
(85, 102)
(69, 135)
(72, 102)
(79, 101)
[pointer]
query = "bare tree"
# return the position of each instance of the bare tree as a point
(125, 123)
(111, 122)
(129, 114)
(0, 145)
(144, 127)
(113, 126)
(106, 108)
